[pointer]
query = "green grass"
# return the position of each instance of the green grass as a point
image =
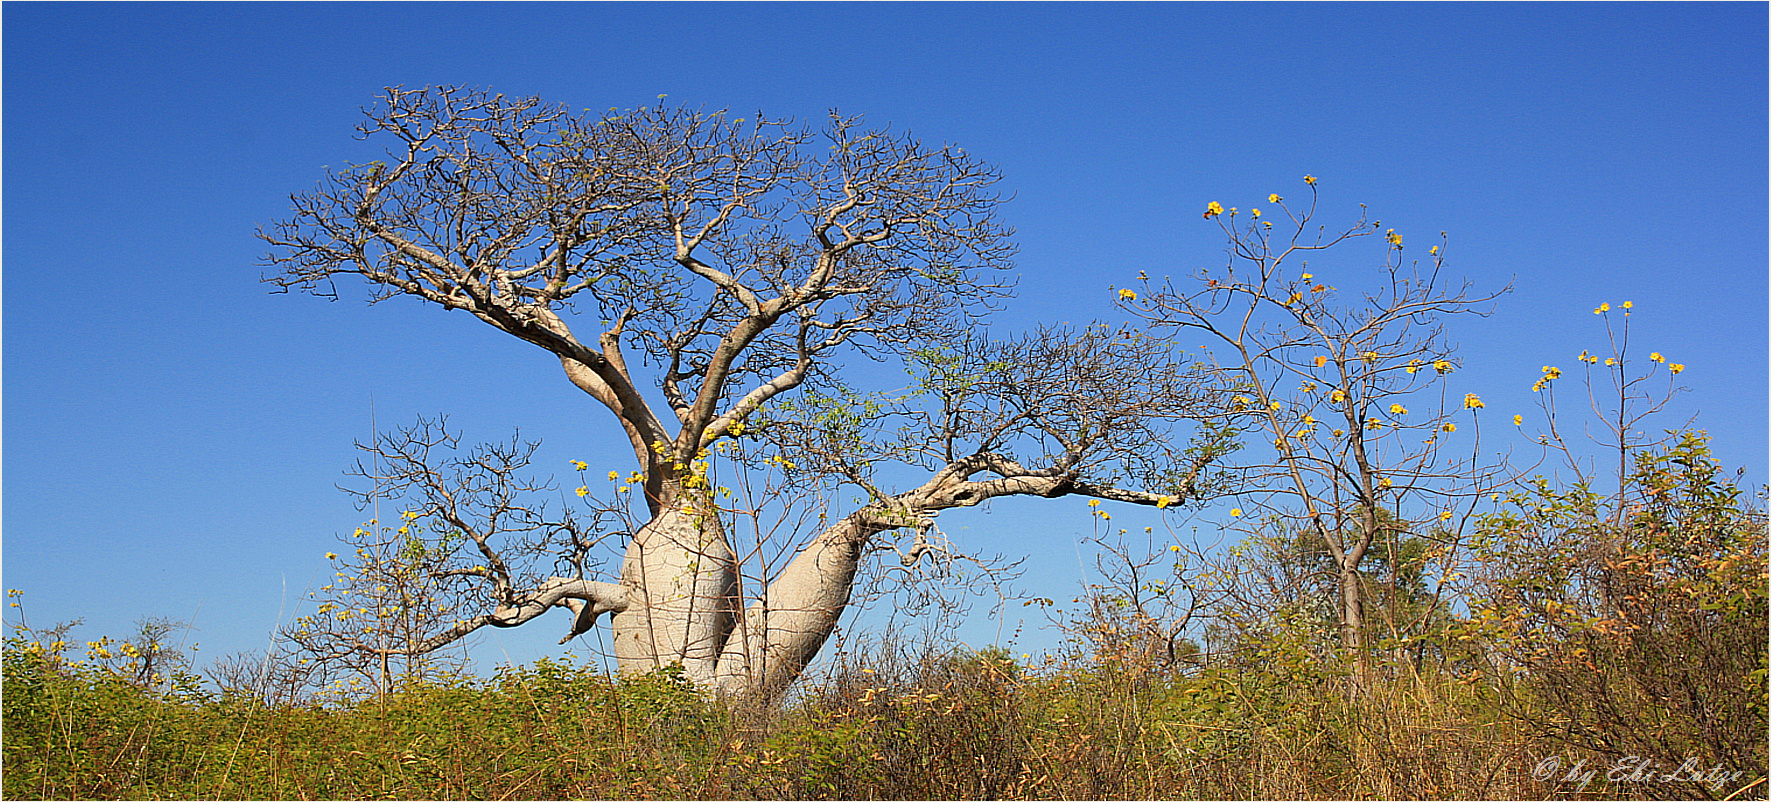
(976, 726)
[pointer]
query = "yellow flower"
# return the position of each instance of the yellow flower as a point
(1552, 372)
(1274, 198)
(1603, 308)
(1127, 295)
(1339, 432)
(1448, 427)
(1609, 361)
(1369, 356)
(1433, 251)
(1170, 548)
(1397, 409)
(1374, 423)
(1442, 366)
(1236, 512)
(1657, 357)
(1676, 368)
(1393, 237)
(1274, 406)
(1307, 277)
(1321, 360)
(329, 556)
(1310, 179)
(1094, 502)
(1162, 503)
(1518, 420)
(579, 465)
(1627, 304)
(1413, 365)
(1295, 297)
(1445, 516)
(1337, 396)
(1472, 402)
(582, 492)
(1385, 482)
(405, 530)
(613, 475)
(1213, 209)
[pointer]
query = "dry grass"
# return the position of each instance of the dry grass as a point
(933, 727)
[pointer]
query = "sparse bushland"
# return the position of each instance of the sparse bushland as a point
(1391, 624)
(940, 726)
(1271, 718)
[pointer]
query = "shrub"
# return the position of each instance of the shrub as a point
(1640, 636)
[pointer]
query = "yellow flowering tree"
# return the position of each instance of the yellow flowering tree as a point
(157, 657)
(1324, 384)
(1622, 390)
(1617, 600)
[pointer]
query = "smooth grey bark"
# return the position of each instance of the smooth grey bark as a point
(680, 578)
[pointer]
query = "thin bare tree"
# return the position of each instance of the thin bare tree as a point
(1348, 392)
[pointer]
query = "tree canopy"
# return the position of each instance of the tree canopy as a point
(738, 259)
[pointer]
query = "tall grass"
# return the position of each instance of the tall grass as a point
(929, 726)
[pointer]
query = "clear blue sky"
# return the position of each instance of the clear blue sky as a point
(173, 433)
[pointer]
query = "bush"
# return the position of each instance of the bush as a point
(1639, 636)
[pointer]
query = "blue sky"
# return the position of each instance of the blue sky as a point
(173, 432)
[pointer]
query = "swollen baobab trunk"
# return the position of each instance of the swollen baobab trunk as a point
(780, 632)
(680, 581)
(681, 602)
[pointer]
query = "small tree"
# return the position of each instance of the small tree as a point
(1144, 609)
(1288, 579)
(149, 658)
(740, 258)
(1328, 385)
(381, 611)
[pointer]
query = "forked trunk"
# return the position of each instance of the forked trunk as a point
(682, 604)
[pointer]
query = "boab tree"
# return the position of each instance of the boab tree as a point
(740, 258)
(1362, 438)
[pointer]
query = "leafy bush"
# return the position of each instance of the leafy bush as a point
(1640, 635)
